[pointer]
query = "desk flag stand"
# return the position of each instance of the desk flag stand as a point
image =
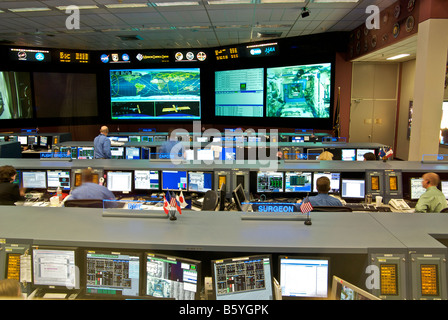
(306, 207)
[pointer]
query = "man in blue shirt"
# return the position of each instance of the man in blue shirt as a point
(90, 190)
(323, 198)
(101, 144)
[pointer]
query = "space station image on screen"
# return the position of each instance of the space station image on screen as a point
(155, 93)
(299, 91)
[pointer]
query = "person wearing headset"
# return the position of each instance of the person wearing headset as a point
(433, 200)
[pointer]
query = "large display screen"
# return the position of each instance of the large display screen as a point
(302, 91)
(156, 94)
(15, 95)
(239, 93)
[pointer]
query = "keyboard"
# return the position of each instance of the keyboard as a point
(362, 207)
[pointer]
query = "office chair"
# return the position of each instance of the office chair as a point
(331, 209)
(210, 201)
(85, 203)
(444, 210)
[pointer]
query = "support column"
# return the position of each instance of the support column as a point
(432, 51)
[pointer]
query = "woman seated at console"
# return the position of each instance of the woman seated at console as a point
(9, 191)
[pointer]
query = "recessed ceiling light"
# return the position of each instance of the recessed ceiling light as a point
(173, 4)
(281, 1)
(125, 5)
(29, 9)
(333, 1)
(398, 56)
(79, 7)
(230, 2)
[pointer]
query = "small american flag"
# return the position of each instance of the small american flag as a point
(306, 206)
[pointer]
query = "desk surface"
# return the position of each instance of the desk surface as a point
(330, 232)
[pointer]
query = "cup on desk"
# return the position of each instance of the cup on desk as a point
(379, 201)
(54, 201)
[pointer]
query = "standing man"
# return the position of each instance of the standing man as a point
(101, 144)
(433, 200)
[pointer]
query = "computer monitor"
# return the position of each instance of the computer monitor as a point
(304, 277)
(55, 267)
(78, 178)
(43, 141)
(270, 181)
(135, 138)
(34, 179)
(112, 273)
(23, 140)
(243, 278)
(33, 140)
(343, 290)
(335, 179)
(172, 277)
(348, 154)
(444, 185)
(240, 198)
(58, 179)
(146, 180)
(205, 154)
(361, 152)
(119, 181)
(353, 188)
(85, 153)
(133, 153)
(222, 196)
(200, 181)
(298, 181)
(228, 153)
(117, 152)
(71, 152)
(297, 139)
(174, 180)
(416, 188)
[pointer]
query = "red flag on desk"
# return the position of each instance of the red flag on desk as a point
(306, 206)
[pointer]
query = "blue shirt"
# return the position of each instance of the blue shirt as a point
(101, 146)
(89, 190)
(323, 199)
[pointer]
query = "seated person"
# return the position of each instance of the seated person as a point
(369, 156)
(433, 200)
(9, 191)
(90, 190)
(323, 198)
(10, 289)
(326, 155)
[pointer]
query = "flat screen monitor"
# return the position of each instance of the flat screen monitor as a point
(335, 178)
(34, 179)
(361, 152)
(200, 181)
(301, 91)
(239, 93)
(343, 290)
(153, 94)
(78, 178)
(240, 198)
(133, 153)
(58, 179)
(112, 273)
(348, 154)
(298, 139)
(243, 278)
(302, 277)
(174, 180)
(33, 140)
(270, 181)
(298, 181)
(444, 185)
(56, 267)
(85, 153)
(416, 188)
(117, 152)
(135, 138)
(23, 140)
(43, 141)
(119, 181)
(228, 153)
(172, 277)
(146, 180)
(205, 154)
(353, 188)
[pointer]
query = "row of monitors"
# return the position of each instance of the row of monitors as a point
(116, 273)
(36, 141)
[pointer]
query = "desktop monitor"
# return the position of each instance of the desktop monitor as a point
(43, 141)
(133, 153)
(298, 181)
(335, 178)
(71, 152)
(361, 152)
(416, 188)
(78, 178)
(205, 154)
(117, 152)
(33, 140)
(228, 153)
(239, 197)
(112, 273)
(55, 267)
(444, 185)
(270, 181)
(348, 154)
(135, 138)
(174, 180)
(172, 277)
(304, 277)
(23, 140)
(119, 181)
(146, 180)
(34, 179)
(343, 290)
(200, 181)
(85, 153)
(58, 179)
(353, 188)
(222, 196)
(243, 278)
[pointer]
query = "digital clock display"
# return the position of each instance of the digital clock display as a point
(73, 57)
